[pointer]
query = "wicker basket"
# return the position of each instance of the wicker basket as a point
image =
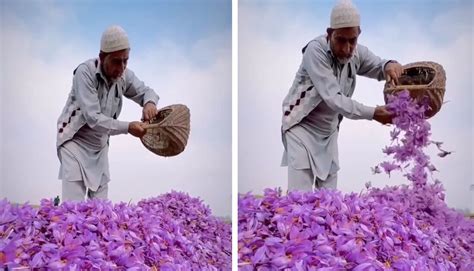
(168, 133)
(422, 79)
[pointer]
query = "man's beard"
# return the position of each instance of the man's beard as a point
(115, 78)
(344, 60)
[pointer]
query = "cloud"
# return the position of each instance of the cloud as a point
(270, 42)
(35, 85)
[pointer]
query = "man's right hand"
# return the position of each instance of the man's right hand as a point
(137, 128)
(382, 115)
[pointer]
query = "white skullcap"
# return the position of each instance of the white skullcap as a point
(344, 14)
(114, 39)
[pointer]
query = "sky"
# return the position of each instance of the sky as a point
(181, 49)
(271, 35)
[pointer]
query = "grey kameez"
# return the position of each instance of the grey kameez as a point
(319, 97)
(90, 117)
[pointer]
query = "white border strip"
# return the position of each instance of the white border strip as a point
(235, 137)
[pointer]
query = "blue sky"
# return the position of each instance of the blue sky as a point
(378, 8)
(183, 22)
(375, 13)
(271, 35)
(181, 49)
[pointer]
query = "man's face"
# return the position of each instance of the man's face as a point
(115, 63)
(343, 42)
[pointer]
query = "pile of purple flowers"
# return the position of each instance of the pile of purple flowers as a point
(396, 228)
(406, 227)
(171, 232)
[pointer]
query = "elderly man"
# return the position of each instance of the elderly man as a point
(321, 96)
(91, 113)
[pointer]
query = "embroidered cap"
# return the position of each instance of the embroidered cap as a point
(114, 39)
(344, 14)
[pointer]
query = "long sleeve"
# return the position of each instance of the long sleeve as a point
(371, 65)
(88, 99)
(317, 65)
(136, 90)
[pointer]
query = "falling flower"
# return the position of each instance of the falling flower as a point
(437, 143)
(444, 153)
(376, 170)
(432, 168)
(389, 167)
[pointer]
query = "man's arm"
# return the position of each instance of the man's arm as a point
(141, 94)
(373, 66)
(136, 90)
(318, 66)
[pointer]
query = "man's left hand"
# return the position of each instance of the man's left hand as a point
(393, 70)
(149, 111)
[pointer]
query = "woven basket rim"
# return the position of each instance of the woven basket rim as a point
(440, 76)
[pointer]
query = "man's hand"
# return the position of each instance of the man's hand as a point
(393, 70)
(149, 111)
(382, 115)
(137, 128)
